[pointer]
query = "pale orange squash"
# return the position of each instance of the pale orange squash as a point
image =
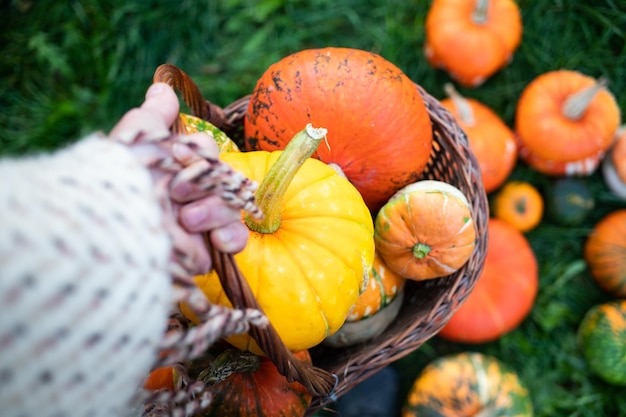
(425, 230)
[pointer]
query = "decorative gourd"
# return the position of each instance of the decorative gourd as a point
(243, 384)
(520, 204)
(379, 131)
(605, 253)
(504, 293)
(425, 230)
(307, 259)
(602, 337)
(565, 122)
(375, 309)
(569, 201)
(467, 384)
(472, 39)
(194, 124)
(614, 165)
(491, 141)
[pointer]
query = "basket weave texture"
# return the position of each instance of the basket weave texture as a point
(427, 305)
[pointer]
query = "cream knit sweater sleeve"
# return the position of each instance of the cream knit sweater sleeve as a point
(84, 288)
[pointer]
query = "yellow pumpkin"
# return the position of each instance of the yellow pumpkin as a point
(307, 260)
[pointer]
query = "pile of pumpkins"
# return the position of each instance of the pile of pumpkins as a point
(567, 125)
(337, 139)
(346, 219)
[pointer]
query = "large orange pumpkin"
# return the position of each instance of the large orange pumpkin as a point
(379, 131)
(605, 253)
(504, 293)
(565, 122)
(490, 139)
(472, 39)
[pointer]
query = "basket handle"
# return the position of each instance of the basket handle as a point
(179, 80)
(317, 381)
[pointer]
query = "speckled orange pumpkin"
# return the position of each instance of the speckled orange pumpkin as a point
(379, 131)
(376, 308)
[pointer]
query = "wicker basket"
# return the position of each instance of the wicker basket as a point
(427, 305)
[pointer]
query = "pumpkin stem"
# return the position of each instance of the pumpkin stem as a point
(521, 205)
(227, 363)
(421, 250)
(479, 15)
(466, 114)
(270, 193)
(576, 104)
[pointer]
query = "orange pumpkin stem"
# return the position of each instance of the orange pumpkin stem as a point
(466, 114)
(421, 250)
(576, 104)
(479, 15)
(271, 191)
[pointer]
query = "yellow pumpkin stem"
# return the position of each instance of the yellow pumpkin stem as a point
(269, 195)
(466, 114)
(576, 104)
(479, 15)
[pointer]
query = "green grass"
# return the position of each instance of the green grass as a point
(74, 67)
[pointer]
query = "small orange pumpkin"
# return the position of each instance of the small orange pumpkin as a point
(425, 230)
(490, 139)
(565, 122)
(472, 39)
(520, 204)
(605, 253)
(614, 165)
(504, 293)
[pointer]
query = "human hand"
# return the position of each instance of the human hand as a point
(189, 209)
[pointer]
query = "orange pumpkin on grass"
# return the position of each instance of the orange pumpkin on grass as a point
(605, 253)
(565, 122)
(425, 230)
(490, 139)
(472, 39)
(504, 293)
(379, 131)
(519, 204)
